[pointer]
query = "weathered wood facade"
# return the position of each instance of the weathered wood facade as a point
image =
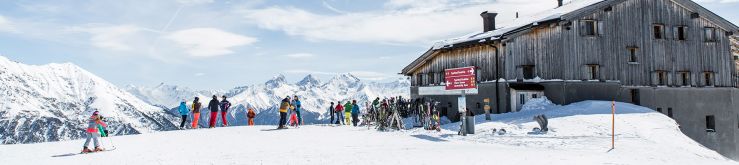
(560, 50)
(640, 51)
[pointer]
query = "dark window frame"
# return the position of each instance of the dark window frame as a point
(593, 70)
(589, 27)
(658, 31)
(528, 71)
(681, 33)
(710, 123)
(685, 79)
(710, 34)
(662, 78)
(709, 79)
(632, 52)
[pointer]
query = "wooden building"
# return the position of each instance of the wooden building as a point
(638, 51)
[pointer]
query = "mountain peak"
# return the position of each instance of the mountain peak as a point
(309, 80)
(277, 80)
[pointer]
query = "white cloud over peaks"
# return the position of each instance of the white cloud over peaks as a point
(113, 37)
(400, 22)
(208, 42)
(194, 2)
(300, 55)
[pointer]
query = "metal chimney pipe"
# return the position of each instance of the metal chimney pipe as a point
(488, 21)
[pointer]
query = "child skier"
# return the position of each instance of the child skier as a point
(251, 115)
(293, 117)
(195, 112)
(92, 132)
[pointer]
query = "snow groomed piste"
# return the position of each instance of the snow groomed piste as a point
(578, 134)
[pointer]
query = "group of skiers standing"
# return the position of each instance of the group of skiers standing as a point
(294, 107)
(214, 106)
(345, 114)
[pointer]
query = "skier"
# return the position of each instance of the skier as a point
(293, 117)
(213, 106)
(347, 112)
(196, 105)
(331, 112)
(224, 110)
(296, 103)
(355, 112)
(92, 132)
(284, 105)
(251, 115)
(339, 110)
(184, 112)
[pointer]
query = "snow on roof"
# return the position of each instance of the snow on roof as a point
(517, 23)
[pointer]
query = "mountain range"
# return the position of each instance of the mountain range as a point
(42, 103)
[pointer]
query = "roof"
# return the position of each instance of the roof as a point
(570, 10)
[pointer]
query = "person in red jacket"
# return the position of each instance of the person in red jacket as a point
(92, 132)
(340, 113)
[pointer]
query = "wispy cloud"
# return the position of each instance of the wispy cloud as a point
(209, 42)
(300, 55)
(199, 74)
(400, 22)
(113, 37)
(6, 25)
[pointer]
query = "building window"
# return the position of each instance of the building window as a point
(632, 54)
(659, 31)
(535, 96)
(528, 71)
(588, 27)
(522, 98)
(709, 34)
(419, 79)
(432, 79)
(669, 112)
(659, 110)
(593, 72)
(681, 33)
(710, 123)
(708, 78)
(661, 78)
(685, 78)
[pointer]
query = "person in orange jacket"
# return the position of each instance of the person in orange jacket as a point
(251, 115)
(196, 105)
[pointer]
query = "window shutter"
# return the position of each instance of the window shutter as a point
(582, 27)
(600, 28)
(675, 34)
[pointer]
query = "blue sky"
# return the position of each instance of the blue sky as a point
(220, 44)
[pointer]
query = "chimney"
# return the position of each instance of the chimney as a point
(488, 21)
(559, 3)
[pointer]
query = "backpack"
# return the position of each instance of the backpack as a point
(251, 114)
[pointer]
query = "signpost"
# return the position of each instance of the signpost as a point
(461, 79)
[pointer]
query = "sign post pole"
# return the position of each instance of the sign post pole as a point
(463, 78)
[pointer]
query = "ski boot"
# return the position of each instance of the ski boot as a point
(98, 149)
(86, 150)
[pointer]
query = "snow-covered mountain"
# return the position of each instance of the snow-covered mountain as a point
(167, 95)
(52, 102)
(315, 96)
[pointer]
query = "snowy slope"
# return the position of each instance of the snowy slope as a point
(51, 103)
(264, 98)
(579, 135)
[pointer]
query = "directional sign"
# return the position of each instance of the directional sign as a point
(460, 78)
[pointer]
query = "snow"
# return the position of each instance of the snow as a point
(518, 23)
(579, 133)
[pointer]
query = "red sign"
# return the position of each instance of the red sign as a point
(460, 78)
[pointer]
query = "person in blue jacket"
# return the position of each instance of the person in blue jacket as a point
(355, 112)
(296, 103)
(184, 111)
